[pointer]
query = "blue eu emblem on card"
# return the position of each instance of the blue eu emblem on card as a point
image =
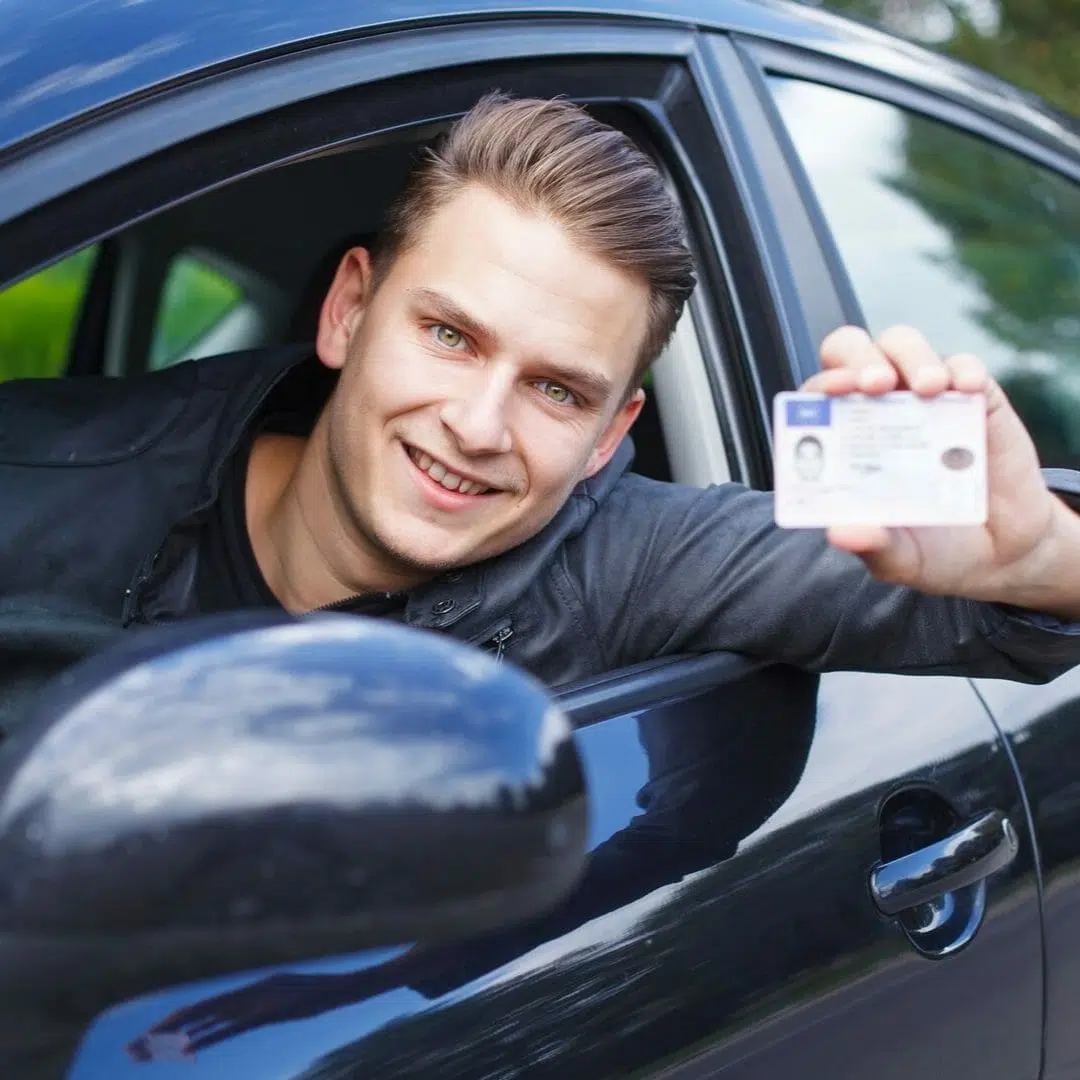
(809, 413)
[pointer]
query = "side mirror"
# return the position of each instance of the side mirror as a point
(254, 789)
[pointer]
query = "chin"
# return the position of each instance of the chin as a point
(416, 554)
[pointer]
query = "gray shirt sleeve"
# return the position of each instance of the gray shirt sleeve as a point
(705, 570)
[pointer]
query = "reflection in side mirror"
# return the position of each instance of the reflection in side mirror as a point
(236, 792)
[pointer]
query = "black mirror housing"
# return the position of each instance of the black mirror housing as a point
(252, 789)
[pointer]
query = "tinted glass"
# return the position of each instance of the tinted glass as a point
(39, 315)
(968, 241)
(195, 299)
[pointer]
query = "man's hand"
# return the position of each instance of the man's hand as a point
(1028, 552)
(271, 1000)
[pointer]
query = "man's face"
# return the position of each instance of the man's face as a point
(493, 358)
(809, 459)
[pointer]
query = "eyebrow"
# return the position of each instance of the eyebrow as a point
(446, 309)
(590, 384)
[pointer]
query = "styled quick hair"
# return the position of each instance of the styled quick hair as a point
(550, 157)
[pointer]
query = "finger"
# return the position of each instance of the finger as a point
(230, 1031)
(191, 1014)
(967, 373)
(852, 349)
(858, 539)
(203, 1026)
(920, 367)
(139, 1050)
(834, 383)
(890, 555)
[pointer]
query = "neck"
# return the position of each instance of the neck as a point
(309, 557)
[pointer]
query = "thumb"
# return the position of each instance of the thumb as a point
(889, 554)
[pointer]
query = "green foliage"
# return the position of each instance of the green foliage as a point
(1015, 231)
(1032, 43)
(1015, 234)
(1036, 46)
(1014, 228)
(39, 315)
(196, 297)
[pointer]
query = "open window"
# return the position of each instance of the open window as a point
(247, 264)
(39, 317)
(250, 219)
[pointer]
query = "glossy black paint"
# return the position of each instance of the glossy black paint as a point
(240, 791)
(725, 924)
(1042, 725)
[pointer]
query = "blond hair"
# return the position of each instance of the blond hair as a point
(551, 157)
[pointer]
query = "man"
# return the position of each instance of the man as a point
(454, 456)
(809, 458)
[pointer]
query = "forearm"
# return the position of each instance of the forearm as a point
(723, 577)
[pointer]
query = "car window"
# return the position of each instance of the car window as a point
(39, 315)
(195, 299)
(971, 242)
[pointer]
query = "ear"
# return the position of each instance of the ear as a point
(620, 424)
(344, 307)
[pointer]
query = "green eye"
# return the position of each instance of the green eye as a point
(447, 336)
(554, 392)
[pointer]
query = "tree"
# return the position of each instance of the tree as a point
(1014, 227)
(1032, 43)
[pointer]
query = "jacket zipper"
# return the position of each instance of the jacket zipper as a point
(499, 640)
(494, 641)
(490, 642)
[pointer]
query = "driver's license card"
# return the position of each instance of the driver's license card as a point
(897, 459)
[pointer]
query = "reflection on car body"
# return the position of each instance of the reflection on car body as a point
(725, 924)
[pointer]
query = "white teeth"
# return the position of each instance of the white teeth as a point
(439, 473)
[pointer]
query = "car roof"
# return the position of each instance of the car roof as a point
(64, 59)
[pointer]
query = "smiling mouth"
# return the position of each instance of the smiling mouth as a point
(443, 476)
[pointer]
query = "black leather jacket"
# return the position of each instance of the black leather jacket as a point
(104, 483)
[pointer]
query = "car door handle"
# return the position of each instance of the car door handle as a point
(967, 856)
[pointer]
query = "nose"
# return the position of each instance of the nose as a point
(476, 415)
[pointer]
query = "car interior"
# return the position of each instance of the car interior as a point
(269, 243)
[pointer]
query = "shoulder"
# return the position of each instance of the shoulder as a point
(662, 504)
(95, 420)
(88, 419)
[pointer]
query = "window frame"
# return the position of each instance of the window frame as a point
(762, 59)
(655, 72)
(55, 163)
(771, 58)
(1039, 148)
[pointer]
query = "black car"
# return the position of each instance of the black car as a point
(853, 876)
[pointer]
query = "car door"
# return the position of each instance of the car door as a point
(727, 921)
(945, 216)
(724, 925)
(957, 208)
(1042, 725)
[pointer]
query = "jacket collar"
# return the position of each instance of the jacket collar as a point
(478, 596)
